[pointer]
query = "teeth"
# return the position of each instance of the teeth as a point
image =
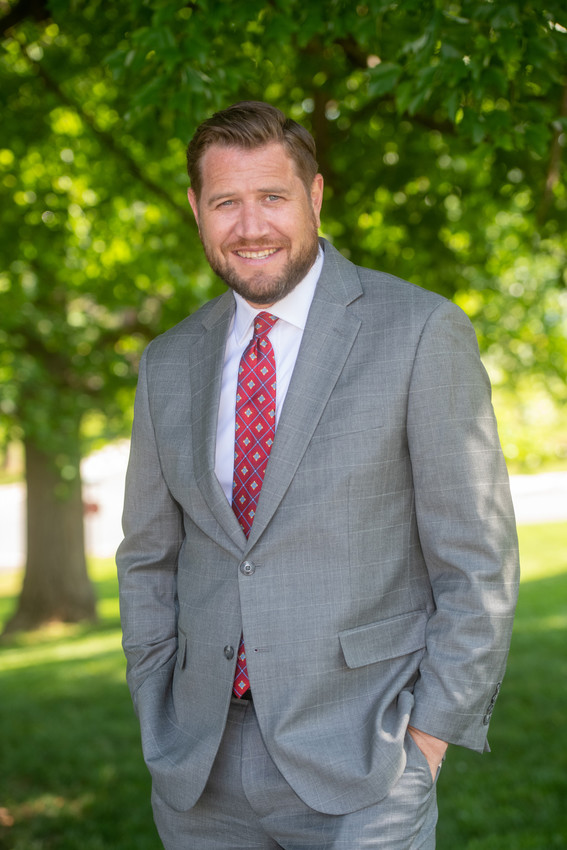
(256, 255)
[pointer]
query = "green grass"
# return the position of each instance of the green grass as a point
(71, 771)
(515, 797)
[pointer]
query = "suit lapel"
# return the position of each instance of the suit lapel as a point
(205, 369)
(327, 340)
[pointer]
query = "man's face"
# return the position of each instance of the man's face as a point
(257, 221)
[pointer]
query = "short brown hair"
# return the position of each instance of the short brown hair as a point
(251, 124)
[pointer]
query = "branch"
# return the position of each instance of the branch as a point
(554, 165)
(56, 364)
(107, 140)
(358, 59)
(59, 366)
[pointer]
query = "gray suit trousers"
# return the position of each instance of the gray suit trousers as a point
(248, 805)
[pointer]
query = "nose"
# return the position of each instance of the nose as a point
(251, 223)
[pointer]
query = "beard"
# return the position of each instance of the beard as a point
(260, 287)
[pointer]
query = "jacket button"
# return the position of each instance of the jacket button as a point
(247, 569)
(228, 652)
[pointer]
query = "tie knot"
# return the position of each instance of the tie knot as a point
(263, 324)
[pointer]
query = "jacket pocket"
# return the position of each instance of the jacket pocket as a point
(386, 639)
(343, 430)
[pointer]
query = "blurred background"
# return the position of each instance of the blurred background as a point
(441, 130)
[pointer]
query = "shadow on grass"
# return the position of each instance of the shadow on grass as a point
(71, 771)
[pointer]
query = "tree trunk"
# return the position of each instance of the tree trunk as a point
(56, 584)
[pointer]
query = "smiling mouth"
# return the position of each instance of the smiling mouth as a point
(257, 255)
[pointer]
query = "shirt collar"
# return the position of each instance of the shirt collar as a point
(292, 309)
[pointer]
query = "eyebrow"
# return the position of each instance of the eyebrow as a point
(214, 198)
(274, 190)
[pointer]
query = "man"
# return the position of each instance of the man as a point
(319, 569)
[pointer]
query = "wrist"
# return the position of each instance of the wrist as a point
(433, 748)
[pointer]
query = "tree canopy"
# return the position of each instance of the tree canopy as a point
(440, 129)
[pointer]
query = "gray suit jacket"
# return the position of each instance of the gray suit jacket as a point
(379, 581)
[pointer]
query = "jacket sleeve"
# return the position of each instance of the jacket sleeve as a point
(467, 531)
(147, 557)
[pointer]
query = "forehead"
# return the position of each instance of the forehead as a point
(223, 167)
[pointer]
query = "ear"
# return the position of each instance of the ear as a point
(317, 197)
(192, 198)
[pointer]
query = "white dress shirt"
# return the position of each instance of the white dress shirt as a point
(285, 336)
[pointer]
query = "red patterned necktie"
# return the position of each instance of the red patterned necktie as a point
(254, 435)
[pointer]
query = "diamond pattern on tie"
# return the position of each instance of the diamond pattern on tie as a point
(255, 420)
(254, 435)
(241, 681)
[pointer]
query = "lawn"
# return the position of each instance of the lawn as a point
(71, 773)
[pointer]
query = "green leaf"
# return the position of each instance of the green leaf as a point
(538, 139)
(506, 16)
(452, 104)
(383, 78)
(404, 94)
(493, 81)
(473, 125)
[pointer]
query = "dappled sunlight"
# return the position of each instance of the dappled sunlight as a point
(108, 609)
(544, 624)
(36, 653)
(71, 760)
(51, 806)
(441, 132)
(543, 551)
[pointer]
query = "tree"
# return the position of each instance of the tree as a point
(91, 255)
(440, 130)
